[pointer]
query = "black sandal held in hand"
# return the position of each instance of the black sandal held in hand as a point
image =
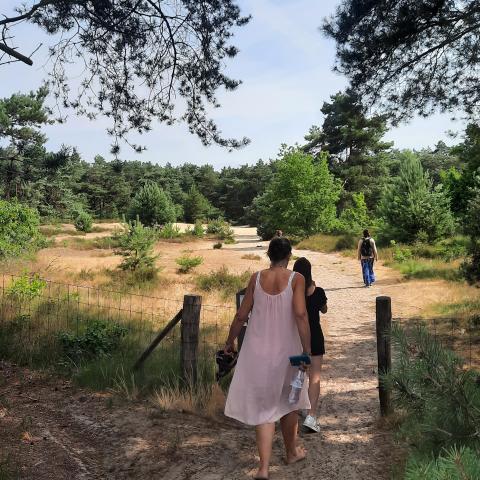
(226, 362)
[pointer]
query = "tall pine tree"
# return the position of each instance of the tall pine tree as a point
(354, 143)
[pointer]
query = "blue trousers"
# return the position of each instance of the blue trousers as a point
(367, 271)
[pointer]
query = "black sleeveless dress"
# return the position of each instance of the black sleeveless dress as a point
(315, 302)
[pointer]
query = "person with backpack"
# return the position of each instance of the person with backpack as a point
(367, 254)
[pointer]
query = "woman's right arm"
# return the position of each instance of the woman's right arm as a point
(300, 312)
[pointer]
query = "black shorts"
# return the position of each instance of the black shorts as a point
(317, 340)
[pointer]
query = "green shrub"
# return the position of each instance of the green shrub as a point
(346, 242)
(353, 218)
(83, 222)
(446, 250)
(301, 197)
(26, 287)
(424, 269)
(198, 230)
(152, 206)
(215, 226)
(187, 263)
(223, 281)
(141, 279)
(19, 229)
(99, 339)
(135, 244)
(217, 246)
(170, 231)
(400, 254)
(220, 229)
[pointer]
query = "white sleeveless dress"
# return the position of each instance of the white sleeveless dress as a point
(260, 386)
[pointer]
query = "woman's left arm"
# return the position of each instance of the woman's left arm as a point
(241, 316)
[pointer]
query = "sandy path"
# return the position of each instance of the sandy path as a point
(93, 440)
(351, 445)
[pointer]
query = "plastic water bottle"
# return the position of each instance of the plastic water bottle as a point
(297, 384)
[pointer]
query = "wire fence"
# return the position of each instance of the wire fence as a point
(39, 311)
(460, 335)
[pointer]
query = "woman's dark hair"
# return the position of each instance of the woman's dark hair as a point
(304, 267)
(279, 249)
(366, 233)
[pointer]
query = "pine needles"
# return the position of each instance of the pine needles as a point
(440, 403)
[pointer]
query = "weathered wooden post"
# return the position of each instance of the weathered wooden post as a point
(384, 351)
(241, 336)
(190, 328)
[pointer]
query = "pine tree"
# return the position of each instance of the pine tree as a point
(411, 206)
(355, 145)
(453, 464)
(440, 399)
(152, 206)
(196, 206)
(471, 266)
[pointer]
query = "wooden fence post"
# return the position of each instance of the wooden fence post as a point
(190, 327)
(384, 352)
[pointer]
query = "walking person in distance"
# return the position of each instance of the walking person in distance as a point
(367, 254)
(277, 329)
(316, 301)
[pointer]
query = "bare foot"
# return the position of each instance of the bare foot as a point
(300, 454)
(262, 474)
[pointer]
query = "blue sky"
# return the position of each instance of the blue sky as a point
(285, 64)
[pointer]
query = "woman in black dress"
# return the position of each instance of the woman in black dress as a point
(316, 302)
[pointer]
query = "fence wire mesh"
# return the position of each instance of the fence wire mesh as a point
(39, 316)
(461, 335)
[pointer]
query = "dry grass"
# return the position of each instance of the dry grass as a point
(251, 256)
(319, 243)
(87, 264)
(207, 399)
(67, 229)
(82, 243)
(460, 300)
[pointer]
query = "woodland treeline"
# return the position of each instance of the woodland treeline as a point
(343, 178)
(359, 160)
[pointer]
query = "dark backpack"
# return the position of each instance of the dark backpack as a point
(366, 249)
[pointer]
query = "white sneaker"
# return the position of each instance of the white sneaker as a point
(311, 423)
